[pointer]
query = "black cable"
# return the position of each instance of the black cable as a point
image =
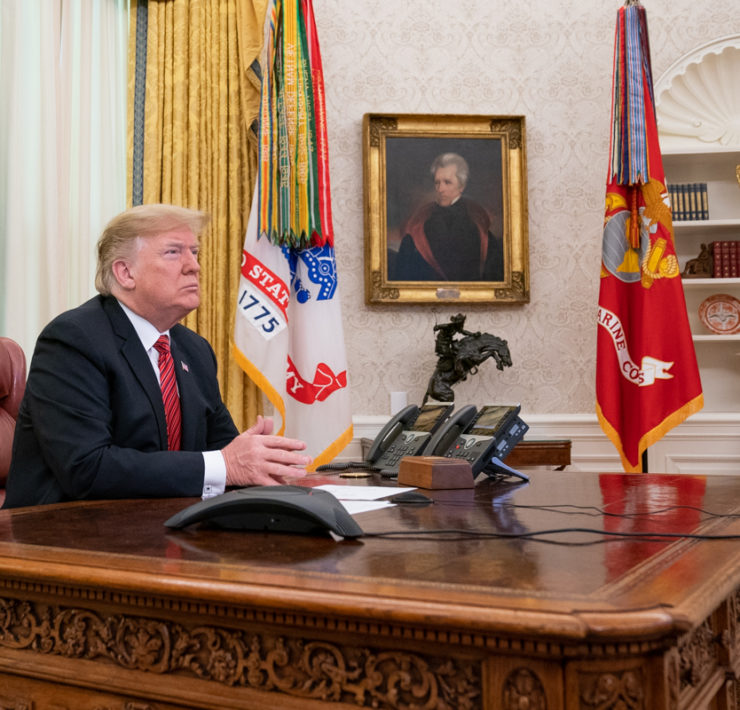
(578, 510)
(473, 537)
(581, 509)
(645, 536)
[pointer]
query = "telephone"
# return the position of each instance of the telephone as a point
(405, 435)
(484, 438)
(295, 509)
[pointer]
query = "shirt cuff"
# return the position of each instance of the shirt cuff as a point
(214, 477)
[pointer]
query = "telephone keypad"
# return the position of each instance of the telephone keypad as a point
(408, 444)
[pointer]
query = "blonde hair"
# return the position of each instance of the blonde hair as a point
(119, 236)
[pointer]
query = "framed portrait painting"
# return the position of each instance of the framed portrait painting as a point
(445, 200)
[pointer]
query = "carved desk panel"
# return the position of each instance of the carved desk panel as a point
(103, 608)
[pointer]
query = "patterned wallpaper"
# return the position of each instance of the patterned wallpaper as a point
(552, 63)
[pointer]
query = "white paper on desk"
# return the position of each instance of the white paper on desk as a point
(353, 507)
(361, 492)
(362, 499)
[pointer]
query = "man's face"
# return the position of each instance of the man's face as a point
(446, 185)
(165, 277)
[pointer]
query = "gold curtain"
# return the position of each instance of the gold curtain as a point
(200, 100)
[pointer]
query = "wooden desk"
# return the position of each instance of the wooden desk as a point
(102, 608)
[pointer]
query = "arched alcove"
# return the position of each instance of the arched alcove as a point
(698, 99)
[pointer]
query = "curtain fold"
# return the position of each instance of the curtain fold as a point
(62, 152)
(190, 111)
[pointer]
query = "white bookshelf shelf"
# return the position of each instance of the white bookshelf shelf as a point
(698, 338)
(711, 283)
(686, 224)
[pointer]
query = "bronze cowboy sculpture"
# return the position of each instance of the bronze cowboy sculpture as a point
(458, 357)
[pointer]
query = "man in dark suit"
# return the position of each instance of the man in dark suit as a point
(92, 423)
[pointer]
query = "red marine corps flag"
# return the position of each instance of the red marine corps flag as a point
(288, 325)
(647, 379)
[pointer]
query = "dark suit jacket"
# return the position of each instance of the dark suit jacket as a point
(92, 423)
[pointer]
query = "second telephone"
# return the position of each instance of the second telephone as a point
(484, 438)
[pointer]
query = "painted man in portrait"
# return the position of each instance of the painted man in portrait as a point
(449, 238)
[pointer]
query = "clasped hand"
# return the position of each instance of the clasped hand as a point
(257, 458)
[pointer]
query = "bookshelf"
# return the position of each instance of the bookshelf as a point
(700, 143)
(718, 355)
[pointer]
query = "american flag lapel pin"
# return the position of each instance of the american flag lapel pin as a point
(184, 366)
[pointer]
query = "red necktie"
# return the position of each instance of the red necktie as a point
(170, 398)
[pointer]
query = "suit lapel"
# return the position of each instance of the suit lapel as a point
(141, 367)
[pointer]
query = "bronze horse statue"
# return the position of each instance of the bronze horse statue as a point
(458, 358)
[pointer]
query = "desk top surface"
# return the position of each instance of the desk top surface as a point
(576, 584)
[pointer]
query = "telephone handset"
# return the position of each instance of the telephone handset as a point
(391, 430)
(405, 435)
(447, 434)
(484, 438)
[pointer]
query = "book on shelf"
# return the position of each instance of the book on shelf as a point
(725, 259)
(689, 201)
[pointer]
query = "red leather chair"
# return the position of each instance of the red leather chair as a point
(12, 386)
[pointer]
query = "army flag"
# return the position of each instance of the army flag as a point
(647, 379)
(288, 328)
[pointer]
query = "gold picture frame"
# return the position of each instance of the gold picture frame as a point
(403, 158)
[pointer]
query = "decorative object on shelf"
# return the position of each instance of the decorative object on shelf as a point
(720, 313)
(689, 201)
(725, 259)
(701, 267)
(737, 173)
(445, 201)
(459, 357)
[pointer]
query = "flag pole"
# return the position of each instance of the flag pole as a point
(644, 456)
